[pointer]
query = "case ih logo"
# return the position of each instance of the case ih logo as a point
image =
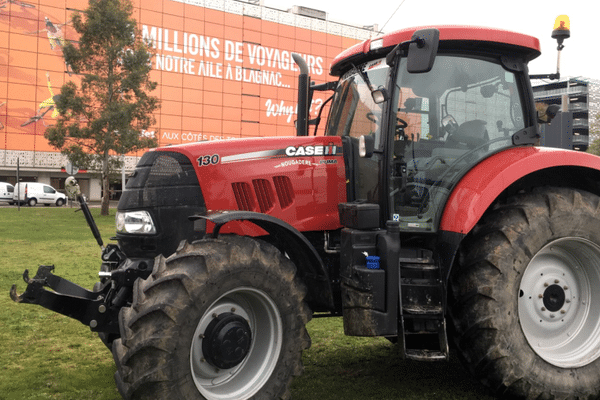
(290, 151)
(329, 150)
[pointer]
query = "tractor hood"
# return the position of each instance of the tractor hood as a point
(300, 180)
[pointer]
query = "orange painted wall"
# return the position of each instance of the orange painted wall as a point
(220, 75)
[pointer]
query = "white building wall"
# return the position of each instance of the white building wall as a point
(95, 190)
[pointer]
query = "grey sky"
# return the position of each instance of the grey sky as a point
(535, 18)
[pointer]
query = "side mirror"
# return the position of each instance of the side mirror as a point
(546, 113)
(379, 95)
(422, 50)
(366, 146)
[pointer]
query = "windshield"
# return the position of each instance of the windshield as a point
(448, 120)
(354, 113)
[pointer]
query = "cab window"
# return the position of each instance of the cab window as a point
(447, 120)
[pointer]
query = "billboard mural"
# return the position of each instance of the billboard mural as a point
(223, 67)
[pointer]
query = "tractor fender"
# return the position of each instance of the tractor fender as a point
(292, 243)
(482, 185)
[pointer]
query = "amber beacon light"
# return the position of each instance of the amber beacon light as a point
(561, 30)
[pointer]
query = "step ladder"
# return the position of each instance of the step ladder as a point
(422, 299)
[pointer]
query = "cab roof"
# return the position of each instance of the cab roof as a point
(451, 37)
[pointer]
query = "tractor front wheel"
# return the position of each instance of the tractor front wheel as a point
(220, 319)
(526, 295)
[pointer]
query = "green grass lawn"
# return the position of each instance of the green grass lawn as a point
(48, 356)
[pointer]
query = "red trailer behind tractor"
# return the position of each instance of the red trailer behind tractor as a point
(425, 205)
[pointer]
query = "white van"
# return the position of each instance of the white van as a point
(31, 193)
(6, 192)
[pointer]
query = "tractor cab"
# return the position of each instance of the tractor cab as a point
(414, 120)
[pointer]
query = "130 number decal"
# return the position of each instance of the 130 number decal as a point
(203, 161)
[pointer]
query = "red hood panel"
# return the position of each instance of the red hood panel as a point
(300, 180)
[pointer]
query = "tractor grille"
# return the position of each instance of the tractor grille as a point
(285, 192)
(261, 197)
(264, 194)
(243, 196)
(162, 179)
(165, 184)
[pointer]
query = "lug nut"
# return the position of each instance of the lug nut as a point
(102, 309)
(565, 287)
(540, 296)
(563, 312)
(546, 285)
(214, 315)
(556, 281)
(232, 309)
(543, 308)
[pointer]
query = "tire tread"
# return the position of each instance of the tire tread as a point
(490, 261)
(149, 328)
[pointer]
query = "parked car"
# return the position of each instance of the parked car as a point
(31, 193)
(6, 192)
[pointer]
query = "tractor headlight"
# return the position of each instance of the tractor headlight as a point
(139, 222)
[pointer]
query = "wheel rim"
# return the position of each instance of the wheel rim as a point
(558, 302)
(251, 372)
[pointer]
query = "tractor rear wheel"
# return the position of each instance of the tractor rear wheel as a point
(526, 296)
(219, 319)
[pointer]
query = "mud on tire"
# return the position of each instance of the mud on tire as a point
(526, 295)
(176, 338)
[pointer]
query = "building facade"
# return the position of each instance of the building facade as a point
(223, 67)
(578, 101)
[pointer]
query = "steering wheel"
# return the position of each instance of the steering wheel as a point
(400, 125)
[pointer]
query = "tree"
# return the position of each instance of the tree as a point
(594, 136)
(105, 116)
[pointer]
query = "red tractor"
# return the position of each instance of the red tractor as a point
(425, 205)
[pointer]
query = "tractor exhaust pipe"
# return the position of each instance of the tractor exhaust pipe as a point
(303, 96)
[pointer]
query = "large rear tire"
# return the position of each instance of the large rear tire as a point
(219, 319)
(526, 296)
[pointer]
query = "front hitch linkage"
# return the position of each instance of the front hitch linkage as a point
(67, 298)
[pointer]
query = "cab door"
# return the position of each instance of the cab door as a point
(354, 113)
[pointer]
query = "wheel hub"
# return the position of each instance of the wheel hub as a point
(226, 341)
(228, 359)
(554, 298)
